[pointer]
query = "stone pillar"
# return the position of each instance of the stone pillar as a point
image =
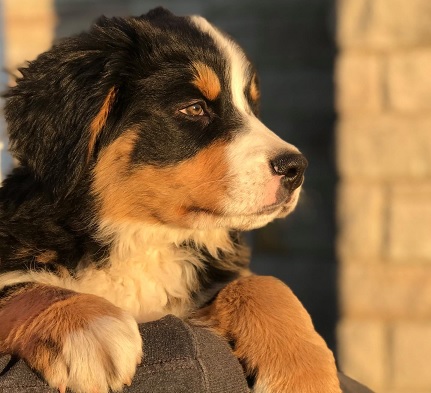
(27, 28)
(383, 100)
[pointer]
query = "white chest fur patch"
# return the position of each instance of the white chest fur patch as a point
(148, 285)
(148, 274)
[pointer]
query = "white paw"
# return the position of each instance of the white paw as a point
(99, 357)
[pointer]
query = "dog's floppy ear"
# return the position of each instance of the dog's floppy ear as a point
(62, 103)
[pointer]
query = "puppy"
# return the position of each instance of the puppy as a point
(141, 159)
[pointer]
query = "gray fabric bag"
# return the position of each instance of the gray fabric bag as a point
(179, 358)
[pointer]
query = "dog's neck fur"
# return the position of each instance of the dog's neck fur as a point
(166, 264)
(131, 239)
(151, 271)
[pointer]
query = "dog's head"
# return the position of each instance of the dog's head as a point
(158, 114)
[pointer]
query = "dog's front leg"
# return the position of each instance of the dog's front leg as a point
(273, 337)
(73, 340)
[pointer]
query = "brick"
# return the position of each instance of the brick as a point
(360, 215)
(362, 351)
(410, 223)
(23, 17)
(385, 290)
(358, 83)
(383, 24)
(407, 390)
(350, 32)
(384, 147)
(409, 81)
(26, 9)
(411, 352)
(23, 50)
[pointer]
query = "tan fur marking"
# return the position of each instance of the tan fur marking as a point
(159, 194)
(36, 321)
(254, 90)
(206, 80)
(273, 336)
(100, 120)
(43, 257)
(47, 256)
(25, 305)
(5, 299)
(76, 340)
(23, 253)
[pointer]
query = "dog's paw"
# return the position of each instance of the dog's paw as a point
(85, 344)
(308, 368)
(286, 375)
(273, 337)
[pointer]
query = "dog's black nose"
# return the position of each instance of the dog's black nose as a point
(292, 167)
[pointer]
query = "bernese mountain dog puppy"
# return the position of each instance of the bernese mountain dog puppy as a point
(141, 159)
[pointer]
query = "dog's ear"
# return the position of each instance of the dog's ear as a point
(62, 103)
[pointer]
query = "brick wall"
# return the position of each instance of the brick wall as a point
(28, 29)
(25, 31)
(383, 100)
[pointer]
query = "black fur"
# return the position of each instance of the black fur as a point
(147, 60)
(214, 277)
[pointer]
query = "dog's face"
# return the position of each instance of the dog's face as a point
(159, 114)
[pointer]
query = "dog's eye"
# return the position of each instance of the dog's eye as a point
(194, 110)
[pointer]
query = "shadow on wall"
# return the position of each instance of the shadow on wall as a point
(291, 43)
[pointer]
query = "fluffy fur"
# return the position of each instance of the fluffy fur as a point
(141, 159)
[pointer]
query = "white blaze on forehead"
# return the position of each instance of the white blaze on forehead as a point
(249, 154)
(238, 63)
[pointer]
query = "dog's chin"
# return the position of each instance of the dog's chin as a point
(267, 214)
(244, 221)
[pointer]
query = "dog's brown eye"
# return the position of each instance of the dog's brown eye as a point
(193, 110)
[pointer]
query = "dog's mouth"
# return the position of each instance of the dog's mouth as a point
(264, 211)
(200, 217)
(273, 208)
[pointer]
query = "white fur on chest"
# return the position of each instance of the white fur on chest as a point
(148, 285)
(149, 274)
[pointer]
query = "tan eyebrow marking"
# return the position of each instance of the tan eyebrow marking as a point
(206, 80)
(254, 90)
